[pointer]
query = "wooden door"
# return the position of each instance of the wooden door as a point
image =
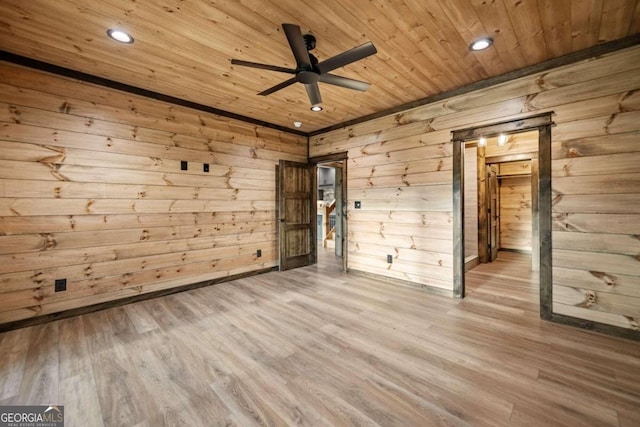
(297, 214)
(494, 211)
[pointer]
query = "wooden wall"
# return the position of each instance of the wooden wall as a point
(515, 211)
(400, 168)
(91, 190)
(470, 202)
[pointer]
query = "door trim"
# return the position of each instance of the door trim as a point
(541, 122)
(335, 157)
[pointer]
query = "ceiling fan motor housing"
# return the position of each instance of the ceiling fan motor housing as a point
(309, 41)
(304, 74)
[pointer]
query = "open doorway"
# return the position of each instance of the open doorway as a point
(329, 207)
(331, 215)
(500, 182)
(519, 152)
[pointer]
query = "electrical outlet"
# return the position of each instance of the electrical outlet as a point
(390, 259)
(357, 204)
(205, 167)
(60, 285)
(184, 165)
(259, 253)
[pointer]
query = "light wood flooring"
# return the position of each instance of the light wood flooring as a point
(318, 347)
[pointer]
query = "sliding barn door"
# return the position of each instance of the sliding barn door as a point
(297, 214)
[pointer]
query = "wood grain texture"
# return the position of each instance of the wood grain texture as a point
(470, 201)
(92, 190)
(422, 46)
(515, 211)
(483, 230)
(593, 162)
(93, 158)
(297, 183)
(316, 346)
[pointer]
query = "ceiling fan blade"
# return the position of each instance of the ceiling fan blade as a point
(314, 93)
(345, 58)
(278, 87)
(332, 79)
(298, 47)
(263, 66)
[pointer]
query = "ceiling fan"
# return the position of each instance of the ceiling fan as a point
(308, 70)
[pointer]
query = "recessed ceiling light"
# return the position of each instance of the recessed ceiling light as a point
(502, 139)
(316, 108)
(481, 44)
(482, 142)
(297, 124)
(120, 36)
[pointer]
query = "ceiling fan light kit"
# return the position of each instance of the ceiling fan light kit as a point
(309, 71)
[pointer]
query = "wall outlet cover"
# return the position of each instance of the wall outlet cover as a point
(357, 204)
(60, 285)
(184, 165)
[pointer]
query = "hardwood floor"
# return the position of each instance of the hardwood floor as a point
(316, 347)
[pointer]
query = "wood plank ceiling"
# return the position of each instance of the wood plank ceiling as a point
(183, 48)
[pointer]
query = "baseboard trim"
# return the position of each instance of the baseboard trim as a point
(32, 321)
(471, 262)
(590, 325)
(516, 251)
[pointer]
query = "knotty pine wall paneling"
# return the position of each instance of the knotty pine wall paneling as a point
(515, 211)
(91, 190)
(470, 202)
(400, 168)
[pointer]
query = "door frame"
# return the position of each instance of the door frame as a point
(541, 218)
(330, 158)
